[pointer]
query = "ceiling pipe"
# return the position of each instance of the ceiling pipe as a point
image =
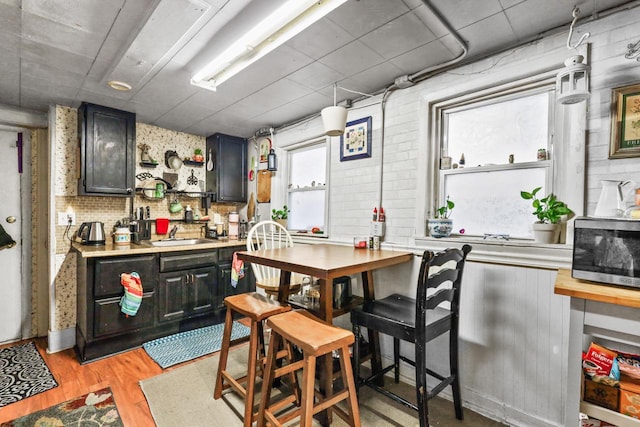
(408, 81)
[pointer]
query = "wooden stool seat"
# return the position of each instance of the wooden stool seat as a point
(257, 308)
(315, 338)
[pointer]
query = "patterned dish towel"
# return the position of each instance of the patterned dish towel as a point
(132, 298)
(237, 270)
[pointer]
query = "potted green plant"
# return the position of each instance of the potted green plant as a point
(280, 215)
(197, 155)
(441, 225)
(549, 211)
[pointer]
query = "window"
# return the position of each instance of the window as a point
(307, 198)
(499, 136)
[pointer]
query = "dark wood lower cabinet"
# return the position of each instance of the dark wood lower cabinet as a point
(182, 291)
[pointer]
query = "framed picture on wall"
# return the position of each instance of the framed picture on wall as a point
(625, 122)
(356, 141)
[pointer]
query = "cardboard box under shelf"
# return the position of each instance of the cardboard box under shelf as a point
(630, 399)
(601, 395)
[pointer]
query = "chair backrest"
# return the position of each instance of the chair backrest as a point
(267, 235)
(430, 294)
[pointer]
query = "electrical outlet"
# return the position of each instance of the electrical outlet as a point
(66, 218)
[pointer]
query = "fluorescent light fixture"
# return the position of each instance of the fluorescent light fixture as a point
(278, 27)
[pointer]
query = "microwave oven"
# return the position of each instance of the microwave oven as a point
(607, 250)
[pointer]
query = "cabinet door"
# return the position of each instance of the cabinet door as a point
(246, 284)
(228, 179)
(107, 150)
(172, 296)
(203, 297)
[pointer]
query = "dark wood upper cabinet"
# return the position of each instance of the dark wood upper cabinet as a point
(107, 150)
(228, 179)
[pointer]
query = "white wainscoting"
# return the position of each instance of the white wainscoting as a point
(513, 340)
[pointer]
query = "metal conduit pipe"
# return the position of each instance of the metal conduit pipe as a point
(415, 78)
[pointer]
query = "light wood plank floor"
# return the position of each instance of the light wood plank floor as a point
(123, 372)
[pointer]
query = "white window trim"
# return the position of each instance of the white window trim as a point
(301, 145)
(569, 144)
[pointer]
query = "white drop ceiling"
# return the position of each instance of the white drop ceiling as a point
(64, 52)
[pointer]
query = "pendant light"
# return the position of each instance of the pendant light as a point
(572, 82)
(334, 118)
(272, 161)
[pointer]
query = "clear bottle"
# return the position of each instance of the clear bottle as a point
(188, 214)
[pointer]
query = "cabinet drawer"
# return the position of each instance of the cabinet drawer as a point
(110, 320)
(187, 260)
(108, 271)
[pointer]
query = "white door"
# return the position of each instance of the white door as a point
(11, 285)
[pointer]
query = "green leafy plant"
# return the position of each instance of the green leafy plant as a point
(549, 209)
(444, 212)
(280, 213)
(197, 152)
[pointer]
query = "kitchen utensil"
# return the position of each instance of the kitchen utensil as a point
(251, 208)
(162, 225)
(264, 186)
(148, 213)
(251, 175)
(92, 233)
(612, 199)
(210, 162)
(175, 206)
(341, 291)
(193, 179)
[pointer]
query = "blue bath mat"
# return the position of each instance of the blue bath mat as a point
(178, 348)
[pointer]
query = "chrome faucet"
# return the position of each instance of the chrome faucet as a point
(172, 233)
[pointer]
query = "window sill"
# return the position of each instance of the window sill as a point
(523, 253)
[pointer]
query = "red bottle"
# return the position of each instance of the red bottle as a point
(375, 214)
(381, 216)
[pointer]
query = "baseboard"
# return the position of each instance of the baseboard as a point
(61, 340)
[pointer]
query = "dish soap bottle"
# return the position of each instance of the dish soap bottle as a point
(188, 214)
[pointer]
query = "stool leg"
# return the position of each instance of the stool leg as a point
(396, 359)
(356, 358)
(453, 364)
(224, 353)
(345, 366)
(267, 378)
(421, 384)
(251, 374)
(308, 389)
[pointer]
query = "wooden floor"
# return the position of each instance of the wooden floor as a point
(121, 372)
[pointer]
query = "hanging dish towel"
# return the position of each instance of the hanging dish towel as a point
(237, 270)
(132, 298)
(6, 241)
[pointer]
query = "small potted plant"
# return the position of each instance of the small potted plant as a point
(549, 211)
(441, 225)
(197, 155)
(280, 215)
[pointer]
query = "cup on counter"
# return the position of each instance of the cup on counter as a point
(162, 225)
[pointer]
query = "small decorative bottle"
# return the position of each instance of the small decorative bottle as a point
(375, 214)
(188, 214)
(381, 217)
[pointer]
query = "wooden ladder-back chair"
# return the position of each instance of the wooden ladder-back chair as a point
(271, 235)
(434, 311)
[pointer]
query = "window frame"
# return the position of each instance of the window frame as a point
(479, 100)
(290, 150)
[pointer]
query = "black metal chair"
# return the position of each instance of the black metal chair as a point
(418, 321)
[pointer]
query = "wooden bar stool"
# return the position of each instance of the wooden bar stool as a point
(257, 308)
(315, 338)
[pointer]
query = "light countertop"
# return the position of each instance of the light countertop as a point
(109, 249)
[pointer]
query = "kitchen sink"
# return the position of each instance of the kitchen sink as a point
(174, 242)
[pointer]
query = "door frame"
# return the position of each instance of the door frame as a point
(17, 120)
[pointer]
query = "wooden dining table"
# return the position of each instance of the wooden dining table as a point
(327, 262)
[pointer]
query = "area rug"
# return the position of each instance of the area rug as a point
(23, 373)
(94, 409)
(186, 393)
(178, 348)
